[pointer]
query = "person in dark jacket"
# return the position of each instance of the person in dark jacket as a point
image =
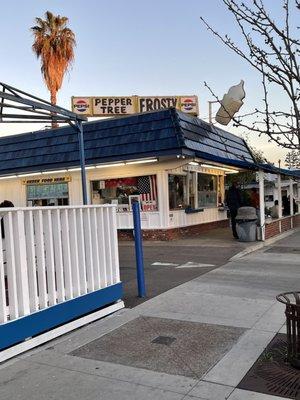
(234, 202)
(286, 205)
(5, 204)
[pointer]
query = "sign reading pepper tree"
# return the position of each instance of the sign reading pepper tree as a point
(115, 106)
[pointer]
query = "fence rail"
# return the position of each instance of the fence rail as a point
(50, 255)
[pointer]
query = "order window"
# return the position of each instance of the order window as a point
(177, 192)
(124, 191)
(207, 190)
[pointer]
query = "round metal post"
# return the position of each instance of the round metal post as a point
(82, 161)
(262, 204)
(138, 249)
(291, 300)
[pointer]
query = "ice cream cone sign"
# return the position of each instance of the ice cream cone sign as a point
(231, 103)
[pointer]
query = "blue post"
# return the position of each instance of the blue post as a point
(138, 249)
(82, 162)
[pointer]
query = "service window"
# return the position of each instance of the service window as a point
(207, 190)
(177, 191)
(123, 191)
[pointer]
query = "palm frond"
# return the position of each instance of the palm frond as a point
(54, 45)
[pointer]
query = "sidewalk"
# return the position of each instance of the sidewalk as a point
(196, 341)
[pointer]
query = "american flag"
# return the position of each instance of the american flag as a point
(148, 192)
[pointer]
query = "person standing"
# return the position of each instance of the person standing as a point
(234, 202)
(275, 210)
(286, 205)
(254, 198)
(4, 204)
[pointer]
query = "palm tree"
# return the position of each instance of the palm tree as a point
(54, 44)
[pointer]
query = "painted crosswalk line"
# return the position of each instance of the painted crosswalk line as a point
(164, 264)
(191, 264)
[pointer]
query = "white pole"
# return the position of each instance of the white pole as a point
(210, 112)
(279, 196)
(188, 177)
(195, 183)
(163, 199)
(210, 116)
(291, 196)
(261, 204)
(298, 196)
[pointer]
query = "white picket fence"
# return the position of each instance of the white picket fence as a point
(50, 255)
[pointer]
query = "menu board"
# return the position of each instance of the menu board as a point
(54, 191)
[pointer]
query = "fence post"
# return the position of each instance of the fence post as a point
(138, 249)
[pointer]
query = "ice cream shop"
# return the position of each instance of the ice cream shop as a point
(174, 164)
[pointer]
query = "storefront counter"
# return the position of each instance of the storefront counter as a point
(179, 218)
(149, 220)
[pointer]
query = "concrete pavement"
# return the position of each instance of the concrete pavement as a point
(232, 307)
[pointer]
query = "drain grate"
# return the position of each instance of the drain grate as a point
(166, 340)
(271, 374)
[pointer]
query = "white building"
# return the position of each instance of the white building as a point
(174, 164)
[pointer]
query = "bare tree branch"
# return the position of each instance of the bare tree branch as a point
(269, 47)
(292, 159)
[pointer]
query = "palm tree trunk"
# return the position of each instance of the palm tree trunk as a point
(53, 101)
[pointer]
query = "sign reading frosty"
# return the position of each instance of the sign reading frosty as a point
(187, 104)
(116, 106)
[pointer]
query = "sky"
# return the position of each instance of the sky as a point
(140, 47)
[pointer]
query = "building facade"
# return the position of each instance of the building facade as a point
(174, 164)
(172, 193)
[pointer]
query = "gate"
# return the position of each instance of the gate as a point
(59, 269)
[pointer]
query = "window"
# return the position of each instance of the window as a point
(177, 191)
(123, 191)
(269, 197)
(56, 194)
(207, 190)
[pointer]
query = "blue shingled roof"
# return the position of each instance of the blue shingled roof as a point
(275, 170)
(160, 133)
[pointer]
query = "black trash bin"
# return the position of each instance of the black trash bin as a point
(291, 300)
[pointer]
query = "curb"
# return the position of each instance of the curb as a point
(260, 245)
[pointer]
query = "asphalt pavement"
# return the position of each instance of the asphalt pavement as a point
(169, 264)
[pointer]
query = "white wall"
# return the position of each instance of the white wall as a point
(15, 191)
(179, 218)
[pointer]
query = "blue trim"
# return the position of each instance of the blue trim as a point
(235, 163)
(275, 170)
(34, 324)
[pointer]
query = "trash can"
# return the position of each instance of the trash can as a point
(246, 224)
(291, 300)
